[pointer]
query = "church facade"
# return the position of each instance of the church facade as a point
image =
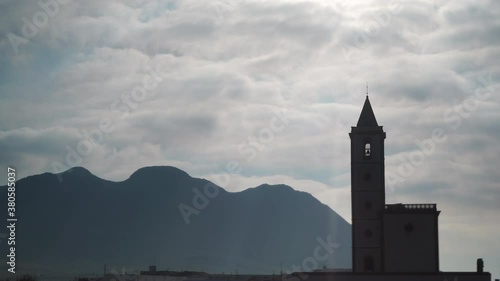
(390, 242)
(386, 238)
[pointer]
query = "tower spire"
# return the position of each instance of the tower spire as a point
(367, 117)
(366, 89)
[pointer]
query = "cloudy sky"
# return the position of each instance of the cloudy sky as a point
(270, 86)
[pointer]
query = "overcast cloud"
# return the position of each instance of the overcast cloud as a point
(220, 71)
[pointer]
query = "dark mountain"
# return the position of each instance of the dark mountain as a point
(83, 222)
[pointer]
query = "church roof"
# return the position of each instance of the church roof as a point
(367, 118)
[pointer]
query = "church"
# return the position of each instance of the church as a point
(392, 238)
(389, 241)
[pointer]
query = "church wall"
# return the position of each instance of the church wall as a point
(368, 176)
(374, 253)
(411, 242)
(369, 205)
(368, 233)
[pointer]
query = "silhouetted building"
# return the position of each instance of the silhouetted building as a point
(390, 242)
(386, 238)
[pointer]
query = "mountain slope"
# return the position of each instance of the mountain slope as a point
(84, 222)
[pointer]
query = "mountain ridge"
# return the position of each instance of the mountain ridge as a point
(138, 220)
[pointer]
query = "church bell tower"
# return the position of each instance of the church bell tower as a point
(367, 192)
